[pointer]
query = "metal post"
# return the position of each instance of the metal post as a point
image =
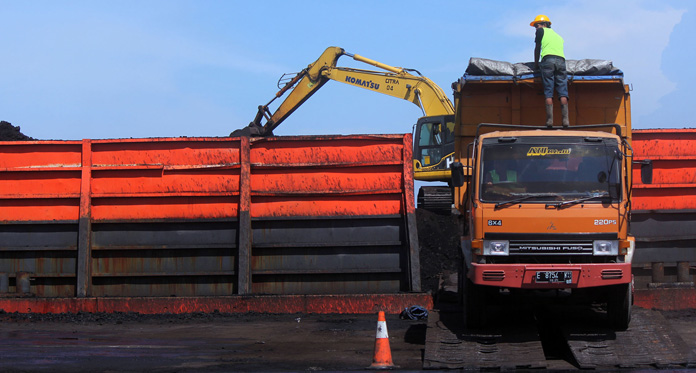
(414, 280)
(84, 244)
(4, 282)
(244, 216)
(683, 272)
(658, 272)
(23, 283)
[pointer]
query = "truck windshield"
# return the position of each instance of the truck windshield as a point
(536, 172)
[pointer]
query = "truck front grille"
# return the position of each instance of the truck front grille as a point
(612, 274)
(550, 247)
(493, 275)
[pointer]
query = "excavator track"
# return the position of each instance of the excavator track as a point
(547, 339)
(438, 199)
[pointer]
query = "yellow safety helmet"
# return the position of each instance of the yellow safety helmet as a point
(540, 18)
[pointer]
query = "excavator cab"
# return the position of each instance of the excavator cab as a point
(433, 151)
(433, 158)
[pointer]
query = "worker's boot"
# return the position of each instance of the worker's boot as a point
(549, 116)
(564, 112)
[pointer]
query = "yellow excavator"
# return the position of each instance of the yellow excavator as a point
(433, 148)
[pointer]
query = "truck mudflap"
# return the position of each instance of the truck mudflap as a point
(550, 276)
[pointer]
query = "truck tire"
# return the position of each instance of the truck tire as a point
(619, 306)
(474, 305)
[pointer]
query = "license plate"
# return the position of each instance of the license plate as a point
(555, 277)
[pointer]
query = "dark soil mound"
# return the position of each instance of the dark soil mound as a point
(8, 132)
(439, 240)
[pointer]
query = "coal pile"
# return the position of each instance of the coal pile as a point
(439, 240)
(8, 132)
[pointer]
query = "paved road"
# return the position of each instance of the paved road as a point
(217, 343)
(212, 343)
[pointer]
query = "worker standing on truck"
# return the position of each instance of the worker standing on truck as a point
(549, 46)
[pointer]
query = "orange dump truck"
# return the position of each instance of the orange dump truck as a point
(544, 208)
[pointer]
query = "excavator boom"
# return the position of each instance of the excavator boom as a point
(393, 81)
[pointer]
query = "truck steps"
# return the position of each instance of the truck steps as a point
(555, 338)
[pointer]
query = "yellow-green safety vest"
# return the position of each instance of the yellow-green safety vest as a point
(551, 44)
(510, 175)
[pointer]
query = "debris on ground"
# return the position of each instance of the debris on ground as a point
(414, 313)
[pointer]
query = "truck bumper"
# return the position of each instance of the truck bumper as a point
(524, 276)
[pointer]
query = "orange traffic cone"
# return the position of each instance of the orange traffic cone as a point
(383, 357)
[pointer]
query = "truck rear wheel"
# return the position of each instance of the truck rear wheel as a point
(619, 306)
(474, 305)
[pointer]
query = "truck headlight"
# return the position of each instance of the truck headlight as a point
(496, 248)
(606, 248)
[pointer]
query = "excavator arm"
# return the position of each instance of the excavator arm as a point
(434, 135)
(393, 81)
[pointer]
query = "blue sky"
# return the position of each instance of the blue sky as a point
(161, 68)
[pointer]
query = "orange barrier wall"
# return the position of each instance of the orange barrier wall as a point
(209, 216)
(673, 153)
(664, 212)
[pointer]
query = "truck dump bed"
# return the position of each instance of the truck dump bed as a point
(505, 93)
(598, 96)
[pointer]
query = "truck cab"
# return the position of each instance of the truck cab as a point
(549, 210)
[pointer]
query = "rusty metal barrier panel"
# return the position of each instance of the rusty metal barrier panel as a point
(208, 216)
(673, 154)
(664, 212)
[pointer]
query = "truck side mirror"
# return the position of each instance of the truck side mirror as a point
(646, 172)
(457, 174)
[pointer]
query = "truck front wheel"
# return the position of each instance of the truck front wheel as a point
(474, 305)
(619, 306)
